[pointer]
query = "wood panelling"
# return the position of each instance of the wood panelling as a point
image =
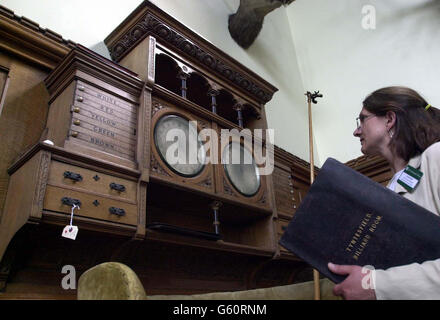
(27, 41)
(24, 113)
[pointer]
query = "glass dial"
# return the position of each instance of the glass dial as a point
(242, 172)
(179, 146)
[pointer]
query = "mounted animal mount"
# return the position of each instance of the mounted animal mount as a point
(247, 22)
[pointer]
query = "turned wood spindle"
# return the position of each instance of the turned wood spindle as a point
(215, 207)
(239, 108)
(213, 94)
(183, 76)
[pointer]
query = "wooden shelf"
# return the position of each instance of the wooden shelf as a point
(153, 235)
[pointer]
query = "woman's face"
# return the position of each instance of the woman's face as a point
(372, 132)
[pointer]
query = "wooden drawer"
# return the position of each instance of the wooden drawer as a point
(92, 181)
(52, 202)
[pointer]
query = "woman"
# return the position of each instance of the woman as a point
(398, 124)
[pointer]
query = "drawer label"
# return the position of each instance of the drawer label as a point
(103, 131)
(103, 119)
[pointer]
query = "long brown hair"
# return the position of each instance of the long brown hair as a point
(416, 127)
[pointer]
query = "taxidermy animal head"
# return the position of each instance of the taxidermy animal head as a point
(247, 22)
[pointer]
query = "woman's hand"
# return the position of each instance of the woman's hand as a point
(351, 288)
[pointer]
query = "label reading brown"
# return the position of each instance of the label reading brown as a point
(101, 143)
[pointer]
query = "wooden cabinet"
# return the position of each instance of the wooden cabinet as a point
(108, 197)
(106, 120)
(94, 108)
(189, 79)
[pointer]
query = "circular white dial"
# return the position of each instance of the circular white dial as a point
(241, 169)
(179, 146)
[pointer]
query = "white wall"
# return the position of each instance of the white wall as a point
(337, 56)
(272, 56)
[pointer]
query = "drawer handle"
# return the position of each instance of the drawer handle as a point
(72, 176)
(117, 187)
(70, 202)
(117, 211)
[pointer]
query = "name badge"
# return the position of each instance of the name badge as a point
(410, 178)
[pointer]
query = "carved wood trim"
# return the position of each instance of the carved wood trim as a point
(40, 191)
(207, 183)
(263, 198)
(227, 188)
(157, 106)
(142, 207)
(157, 168)
(147, 20)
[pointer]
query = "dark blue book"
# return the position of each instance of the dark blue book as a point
(346, 218)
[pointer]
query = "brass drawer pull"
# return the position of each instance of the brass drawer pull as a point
(70, 202)
(72, 176)
(117, 211)
(117, 187)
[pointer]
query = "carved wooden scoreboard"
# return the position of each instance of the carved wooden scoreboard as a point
(193, 87)
(143, 145)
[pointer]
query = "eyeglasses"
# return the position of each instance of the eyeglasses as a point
(361, 120)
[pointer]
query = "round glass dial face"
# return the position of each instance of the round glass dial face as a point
(179, 146)
(241, 169)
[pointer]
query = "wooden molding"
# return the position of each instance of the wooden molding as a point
(83, 59)
(26, 39)
(148, 19)
(72, 156)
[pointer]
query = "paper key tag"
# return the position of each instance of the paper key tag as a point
(70, 232)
